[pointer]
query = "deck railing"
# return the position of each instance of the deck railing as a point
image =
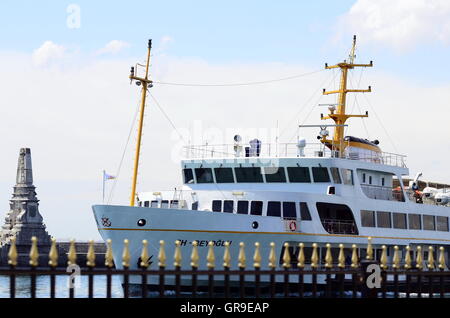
(383, 193)
(287, 150)
(341, 276)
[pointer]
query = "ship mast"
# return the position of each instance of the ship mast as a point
(338, 115)
(145, 82)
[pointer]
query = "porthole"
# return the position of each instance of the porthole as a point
(255, 225)
(141, 222)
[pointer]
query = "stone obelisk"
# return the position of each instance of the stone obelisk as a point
(23, 221)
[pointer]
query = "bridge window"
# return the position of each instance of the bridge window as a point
(442, 223)
(228, 206)
(217, 206)
(299, 174)
(195, 205)
(289, 210)
(273, 208)
(304, 212)
(399, 220)
(368, 218)
(248, 174)
(320, 174)
(224, 175)
(347, 176)
(256, 208)
(335, 175)
(242, 207)
(164, 204)
(275, 174)
(384, 219)
(429, 223)
(154, 204)
(204, 175)
(146, 204)
(414, 221)
(188, 176)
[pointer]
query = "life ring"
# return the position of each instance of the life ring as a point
(292, 226)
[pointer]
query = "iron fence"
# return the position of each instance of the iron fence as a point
(334, 278)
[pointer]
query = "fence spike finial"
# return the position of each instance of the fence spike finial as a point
(34, 254)
(257, 256)
(210, 257)
(227, 256)
(430, 258)
(126, 254)
(109, 261)
(355, 260)
(396, 258)
(383, 258)
(442, 264)
(144, 255)
(314, 256)
(301, 256)
(53, 254)
(341, 257)
(12, 254)
(419, 258)
(72, 255)
(162, 254)
(369, 253)
(194, 255)
(90, 255)
(241, 257)
(328, 257)
(272, 257)
(177, 254)
(408, 260)
(286, 256)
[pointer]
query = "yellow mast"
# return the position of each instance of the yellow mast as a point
(339, 116)
(145, 82)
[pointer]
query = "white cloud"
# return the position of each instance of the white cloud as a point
(47, 53)
(113, 47)
(401, 24)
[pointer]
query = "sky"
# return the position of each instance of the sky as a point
(66, 93)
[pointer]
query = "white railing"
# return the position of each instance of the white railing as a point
(288, 150)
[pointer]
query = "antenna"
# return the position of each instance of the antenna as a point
(146, 83)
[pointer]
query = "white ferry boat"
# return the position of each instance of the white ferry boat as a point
(342, 189)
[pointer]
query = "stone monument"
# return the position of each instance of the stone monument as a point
(23, 221)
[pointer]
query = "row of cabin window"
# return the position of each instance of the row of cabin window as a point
(272, 174)
(399, 221)
(274, 208)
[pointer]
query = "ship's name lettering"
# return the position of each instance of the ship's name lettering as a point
(204, 242)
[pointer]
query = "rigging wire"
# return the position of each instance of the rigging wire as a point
(111, 192)
(239, 84)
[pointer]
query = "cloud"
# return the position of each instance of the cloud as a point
(400, 24)
(47, 53)
(113, 47)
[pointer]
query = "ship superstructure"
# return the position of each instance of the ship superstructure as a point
(342, 189)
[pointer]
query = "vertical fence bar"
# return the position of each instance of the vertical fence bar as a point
(241, 265)
(257, 266)
(109, 263)
(144, 265)
(177, 265)
(90, 257)
(430, 269)
(301, 266)
(341, 266)
(126, 264)
(211, 263)
(419, 267)
(396, 267)
(408, 268)
(71, 262)
(314, 266)
(272, 266)
(286, 266)
(328, 267)
(384, 267)
(162, 266)
(226, 267)
(194, 265)
(442, 267)
(34, 262)
(355, 265)
(12, 261)
(53, 262)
